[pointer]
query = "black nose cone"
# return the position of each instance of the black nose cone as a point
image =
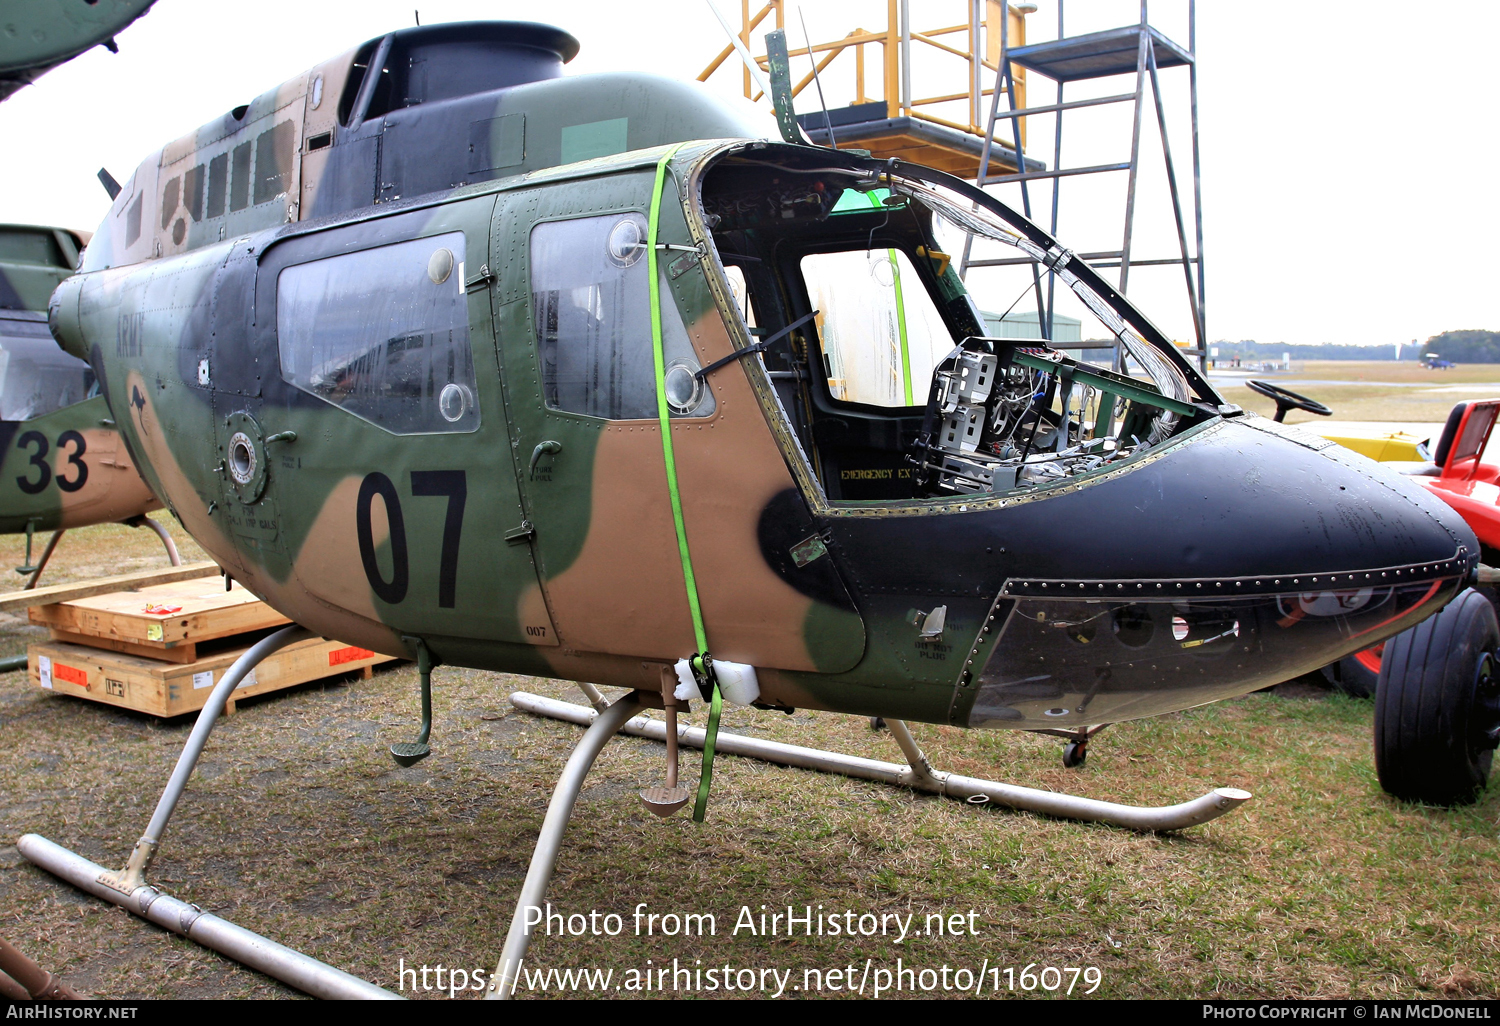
(1240, 556)
(1248, 498)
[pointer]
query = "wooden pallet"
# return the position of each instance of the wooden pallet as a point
(171, 689)
(119, 621)
(14, 600)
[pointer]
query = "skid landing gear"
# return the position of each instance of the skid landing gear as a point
(128, 888)
(604, 725)
(33, 573)
(916, 773)
(604, 721)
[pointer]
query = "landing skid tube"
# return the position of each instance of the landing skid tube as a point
(602, 725)
(917, 774)
(128, 888)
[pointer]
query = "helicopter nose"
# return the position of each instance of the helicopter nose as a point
(1243, 555)
(1251, 500)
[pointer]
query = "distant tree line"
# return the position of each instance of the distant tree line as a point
(1469, 346)
(1472, 346)
(1249, 349)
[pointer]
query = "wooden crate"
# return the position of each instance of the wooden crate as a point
(171, 689)
(119, 621)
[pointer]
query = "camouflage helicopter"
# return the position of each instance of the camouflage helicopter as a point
(62, 462)
(37, 37)
(447, 355)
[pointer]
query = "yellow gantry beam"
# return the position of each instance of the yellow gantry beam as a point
(978, 61)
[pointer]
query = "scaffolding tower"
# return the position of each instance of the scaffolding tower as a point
(1138, 49)
(921, 99)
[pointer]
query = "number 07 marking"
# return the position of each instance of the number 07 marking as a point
(453, 484)
(450, 483)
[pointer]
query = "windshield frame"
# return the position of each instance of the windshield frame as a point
(1165, 366)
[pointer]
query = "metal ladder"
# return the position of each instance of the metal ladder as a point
(1082, 58)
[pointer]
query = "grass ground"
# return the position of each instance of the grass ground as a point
(1358, 390)
(298, 825)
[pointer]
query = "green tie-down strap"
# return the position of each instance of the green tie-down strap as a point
(703, 672)
(702, 664)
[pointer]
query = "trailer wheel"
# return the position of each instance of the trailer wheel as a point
(1356, 675)
(1437, 705)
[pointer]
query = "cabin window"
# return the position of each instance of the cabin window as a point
(169, 201)
(133, 220)
(273, 161)
(384, 334)
(37, 377)
(192, 192)
(239, 179)
(218, 184)
(30, 247)
(740, 290)
(591, 308)
(881, 333)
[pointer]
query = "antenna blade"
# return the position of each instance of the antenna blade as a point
(781, 88)
(110, 185)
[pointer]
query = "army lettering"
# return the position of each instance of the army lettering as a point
(44, 470)
(452, 484)
(129, 330)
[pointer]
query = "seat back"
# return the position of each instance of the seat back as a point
(1465, 435)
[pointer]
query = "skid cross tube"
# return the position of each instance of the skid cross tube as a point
(918, 774)
(602, 726)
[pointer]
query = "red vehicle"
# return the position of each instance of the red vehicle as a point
(1437, 692)
(1436, 686)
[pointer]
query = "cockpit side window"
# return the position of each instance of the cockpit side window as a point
(36, 376)
(591, 310)
(881, 333)
(384, 334)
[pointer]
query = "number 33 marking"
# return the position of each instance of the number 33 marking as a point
(44, 470)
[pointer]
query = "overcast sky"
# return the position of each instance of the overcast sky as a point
(1349, 151)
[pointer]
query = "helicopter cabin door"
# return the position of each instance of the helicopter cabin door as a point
(398, 484)
(573, 323)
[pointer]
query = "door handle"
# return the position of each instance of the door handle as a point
(549, 447)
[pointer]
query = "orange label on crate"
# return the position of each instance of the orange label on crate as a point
(344, 655)
(69, 674)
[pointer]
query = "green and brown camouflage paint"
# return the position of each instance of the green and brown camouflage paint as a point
(37, 37)
(65, 467)
(502, 552)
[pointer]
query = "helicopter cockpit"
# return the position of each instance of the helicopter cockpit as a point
(36, 376)
(889, 378)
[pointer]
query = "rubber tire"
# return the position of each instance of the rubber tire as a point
(1429, 714)
(1075, 755)
(1352, 677)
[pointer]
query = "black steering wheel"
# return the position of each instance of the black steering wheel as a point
(1287, 400)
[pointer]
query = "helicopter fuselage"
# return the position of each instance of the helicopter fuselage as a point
(437, 418)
